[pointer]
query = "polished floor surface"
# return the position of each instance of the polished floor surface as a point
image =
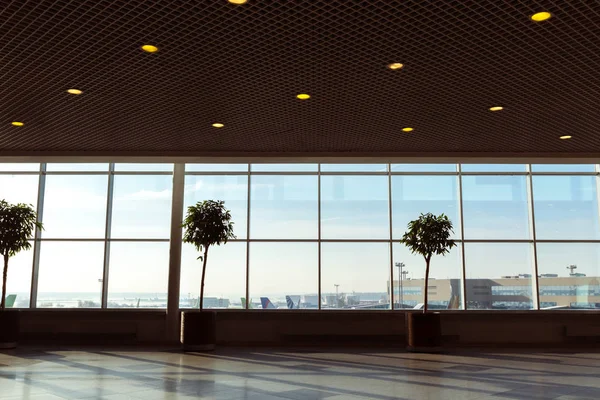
(269, 374)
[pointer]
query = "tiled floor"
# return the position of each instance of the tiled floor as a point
(266, 374)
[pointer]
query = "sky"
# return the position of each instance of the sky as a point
(285, 207)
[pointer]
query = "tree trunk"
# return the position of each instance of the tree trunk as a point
(427, 261)
(4, 276)
(203, 275)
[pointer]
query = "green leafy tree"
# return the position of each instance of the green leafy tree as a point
(429, 235)
(17, 226)
(207, 223)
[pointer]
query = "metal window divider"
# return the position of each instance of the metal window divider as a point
(107, 234)
(37, 238)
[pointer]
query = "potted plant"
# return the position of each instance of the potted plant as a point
(428, 235)
(17, 226)
(207, 223)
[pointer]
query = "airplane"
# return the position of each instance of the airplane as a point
(244, 303)
(266, 303)
(290, 303)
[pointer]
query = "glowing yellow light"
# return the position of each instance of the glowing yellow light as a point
(218, 125)
(303, 96)
(395, 66)
(566, 137)
(541, 16)
(407, 129)
(17, 123)
(496, 108)
(148, 48)
(238, 1)
(74, 91)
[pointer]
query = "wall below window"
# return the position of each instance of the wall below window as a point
(332, 328)
(92, 326)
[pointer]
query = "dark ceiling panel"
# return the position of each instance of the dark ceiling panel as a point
(243, 65)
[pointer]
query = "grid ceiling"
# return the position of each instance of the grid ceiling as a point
(243, 65)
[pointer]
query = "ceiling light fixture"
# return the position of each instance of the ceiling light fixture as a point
(541, 16)
(496, 108)
(74, 91)
(407, 129)
(218, 125)
(17, 123)
(148, 48)
(303, 96)
(565, 137)
(238, 1)
(396, 66)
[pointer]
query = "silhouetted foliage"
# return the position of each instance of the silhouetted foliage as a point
(207, 223)
(17, 227)
(429, 235)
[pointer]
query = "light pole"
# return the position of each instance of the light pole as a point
(401, 265)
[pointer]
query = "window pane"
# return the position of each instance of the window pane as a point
(144, 167)
(563, 168)
(138, 275)
(214, 167)
(495, 207)
(282, 270)
(142, 207)
(499, 276)
(284, 207)
(424, 168)
(231, 189)
(493, 168)
(70, 274)
(77, 167)
(361, 272)
(225, 285)
(354, 167)
(354, 207)
(284, 167)
(566, 207)
(569, 275)
(445, 287)
(19, 189)
(75, 206)
(19, 167)
(18, 281)
(413, 195)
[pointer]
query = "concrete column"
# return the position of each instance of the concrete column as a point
(173, 315)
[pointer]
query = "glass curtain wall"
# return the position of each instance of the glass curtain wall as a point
(311, 236)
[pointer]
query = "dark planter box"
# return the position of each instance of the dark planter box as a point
(198, 330)
(9, 329)
(424, 332)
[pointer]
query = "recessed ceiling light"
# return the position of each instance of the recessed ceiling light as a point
(407, 129)
(74, 91)
(496, 108)
(303, 96)
(541, 16)
(566, 137)
(218, 125)
(148, 48)
(17, 123)
(238, 1)
(395, 66)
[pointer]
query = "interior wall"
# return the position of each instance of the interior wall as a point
(331, 328)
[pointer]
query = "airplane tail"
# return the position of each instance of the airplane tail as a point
(244, 303)
(290, 303)
(266, 303)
